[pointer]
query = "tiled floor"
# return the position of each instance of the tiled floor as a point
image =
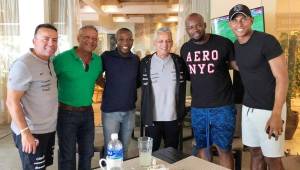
(9, 158)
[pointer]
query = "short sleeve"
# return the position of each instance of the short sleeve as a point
(230, 51)
(103, 59)
(19, 77)
(271, 47)
(55, 63)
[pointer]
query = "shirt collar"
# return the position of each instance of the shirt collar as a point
(116, 53)
(36, 57)
(75, 55)
(162, 60)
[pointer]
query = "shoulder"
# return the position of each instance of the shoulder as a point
(21, 64)
(185, 45)
(107, 54)
(136, 57)
(26, 60)
(178, 58)
(175, 55)
(63, 55)
(221, 39)
(146, 58)
(22, 67)
(264, 36)
(96, 57)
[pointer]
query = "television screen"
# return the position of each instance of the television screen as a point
(220, 25)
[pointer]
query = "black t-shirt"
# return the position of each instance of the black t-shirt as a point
(208, 67)
(252, 59)
(121, 75)
(238, 88)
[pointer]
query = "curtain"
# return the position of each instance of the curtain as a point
(10, 47)
(66, 17)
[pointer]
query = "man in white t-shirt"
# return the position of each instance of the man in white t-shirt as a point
(163, 92)
(32, 100)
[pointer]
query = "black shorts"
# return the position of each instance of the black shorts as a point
(44, 152)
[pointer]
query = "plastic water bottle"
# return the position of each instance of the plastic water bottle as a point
(115, 152)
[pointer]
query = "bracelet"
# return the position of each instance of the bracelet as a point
(23, 130)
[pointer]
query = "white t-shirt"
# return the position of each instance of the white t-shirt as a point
(163, 78)
(37, 79)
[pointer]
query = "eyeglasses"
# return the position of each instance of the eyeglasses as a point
(49, 67)
(87, 67)
(86, 38)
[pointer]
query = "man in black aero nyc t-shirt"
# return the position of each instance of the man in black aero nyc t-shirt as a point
(213, 117)
(264, 74)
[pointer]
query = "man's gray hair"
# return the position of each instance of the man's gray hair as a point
(161, 30)
(88, 27)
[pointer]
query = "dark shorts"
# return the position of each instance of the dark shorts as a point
(214, 126)
(44, 153)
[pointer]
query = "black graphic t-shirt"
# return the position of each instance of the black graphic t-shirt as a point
(208, 67)
(253, 61)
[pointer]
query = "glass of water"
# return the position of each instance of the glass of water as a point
(145, 151)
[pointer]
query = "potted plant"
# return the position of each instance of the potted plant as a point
(290, 45)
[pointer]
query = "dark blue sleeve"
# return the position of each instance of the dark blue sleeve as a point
(104, 57)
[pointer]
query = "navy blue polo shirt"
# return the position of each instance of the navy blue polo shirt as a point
(121, 75)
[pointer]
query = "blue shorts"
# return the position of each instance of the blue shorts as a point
(214, 126)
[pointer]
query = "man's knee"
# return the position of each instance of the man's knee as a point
(256, 152)
(274, 161)
(224, 153)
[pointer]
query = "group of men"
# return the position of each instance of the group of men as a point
(48, 94)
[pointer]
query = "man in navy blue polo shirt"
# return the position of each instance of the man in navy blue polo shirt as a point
(119, 96)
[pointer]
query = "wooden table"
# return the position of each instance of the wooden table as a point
(189, 163)
(133, 164)
(195, 163)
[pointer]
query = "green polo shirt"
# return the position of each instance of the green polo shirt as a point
(75, 83)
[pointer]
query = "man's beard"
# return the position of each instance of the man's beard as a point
(199, 40)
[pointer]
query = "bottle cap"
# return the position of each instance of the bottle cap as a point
(114, 136)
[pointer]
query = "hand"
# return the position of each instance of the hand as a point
(275, 126)
(29, 143)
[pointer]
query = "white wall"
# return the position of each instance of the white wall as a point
(31, 13)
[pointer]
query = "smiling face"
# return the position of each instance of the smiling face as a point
(45, 43)
(195, 27)
(241, 26)
(163, 44)
(124, 42)
(87, 39)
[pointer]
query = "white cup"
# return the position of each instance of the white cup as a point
(145, 151)
(110, 164)
(107, 163)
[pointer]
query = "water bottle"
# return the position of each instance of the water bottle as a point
(115, 153)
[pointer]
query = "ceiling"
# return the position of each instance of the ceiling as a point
(134, 11)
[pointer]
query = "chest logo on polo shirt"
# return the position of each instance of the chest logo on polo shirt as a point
(202, 62)
(45, 85)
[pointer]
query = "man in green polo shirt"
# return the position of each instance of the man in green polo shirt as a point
(77, 71)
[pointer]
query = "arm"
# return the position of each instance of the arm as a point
(233, 65)
(29, 143)
(279, 69)
(139, 79)
(101, 81)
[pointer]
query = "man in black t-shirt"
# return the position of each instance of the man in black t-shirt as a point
(264, 74)
(213, 115)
